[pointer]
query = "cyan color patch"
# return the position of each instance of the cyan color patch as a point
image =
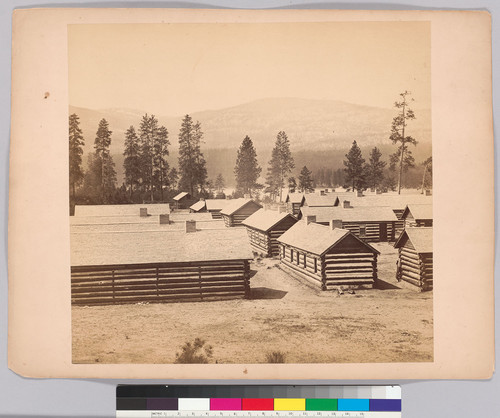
(354, 404)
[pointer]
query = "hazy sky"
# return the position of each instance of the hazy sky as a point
(174, 69)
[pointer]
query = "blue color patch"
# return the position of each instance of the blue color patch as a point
(386, 405)
(354, 405)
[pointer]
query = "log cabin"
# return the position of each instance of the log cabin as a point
(415, 262)
(328, 257)
(264, 227)
(371, 224)
(293, 202)
(159, 266)
(182, 200)
(237, 210)
(417, 215)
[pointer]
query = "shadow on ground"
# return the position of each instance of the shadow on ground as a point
(382, 284)
(266, 293)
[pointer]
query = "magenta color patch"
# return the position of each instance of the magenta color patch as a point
(225, 404)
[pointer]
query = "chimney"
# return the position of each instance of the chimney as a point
(428, 192)
(310, 219)
(322, 192)
(379, 191)
(359, 193)
(326, 190)
(281, 208)
(266, 206)
(164, 219)
(143, 212)
(336, 223)
(228, 197)
(190, 226)
(347, 204)
(246, 196)
(202, 199)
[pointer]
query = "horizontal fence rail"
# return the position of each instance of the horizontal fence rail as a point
(156, 283)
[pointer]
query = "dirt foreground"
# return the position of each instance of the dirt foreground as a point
(393, 324)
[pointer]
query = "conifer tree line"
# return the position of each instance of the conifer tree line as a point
(149, 177)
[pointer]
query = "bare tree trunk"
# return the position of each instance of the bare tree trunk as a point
(423, 178)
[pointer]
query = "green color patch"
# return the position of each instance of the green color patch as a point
(321, 405)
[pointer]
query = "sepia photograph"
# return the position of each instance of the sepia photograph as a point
(245, 193)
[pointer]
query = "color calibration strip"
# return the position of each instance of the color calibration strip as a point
(227, 401)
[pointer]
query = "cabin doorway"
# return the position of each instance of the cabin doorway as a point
(383, 232)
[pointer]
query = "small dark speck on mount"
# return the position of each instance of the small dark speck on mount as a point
(47, 94)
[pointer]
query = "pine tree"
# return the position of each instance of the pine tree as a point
(292, 184)
(76, 142)
(160, 164)
(220, 184)
(173, 178)
(427, 169)
(147, 131)
(354, 167)
(375, 169)
(103, 158)
(132, 162)
(305, 180)
(280, 166)
(399, 137)
(247, 169)
(192, 165)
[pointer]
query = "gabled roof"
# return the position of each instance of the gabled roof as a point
(264, 220)
(121, 210)
(199, 205)
(236, 204)
(317, 239)
(314, 199)
(356, 214)
(294, 197)
(420, 237)
(394, 201)
(145, 247)
(216, 204)
(418, 211)
(180, 196)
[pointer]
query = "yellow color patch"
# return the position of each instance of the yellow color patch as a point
(289, 404)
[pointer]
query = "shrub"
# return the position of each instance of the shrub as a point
(275, 357)
(194, 353)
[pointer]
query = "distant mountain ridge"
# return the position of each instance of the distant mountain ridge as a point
(311, 125)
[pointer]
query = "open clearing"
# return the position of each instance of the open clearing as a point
(389, 324)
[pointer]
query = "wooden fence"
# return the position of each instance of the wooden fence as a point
(159, 283)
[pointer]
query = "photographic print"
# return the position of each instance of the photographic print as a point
(251, 192)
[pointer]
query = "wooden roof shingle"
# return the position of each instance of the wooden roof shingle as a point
(147, 247)
(199, 205)
(121, 210)
(420, 237)
(216, 204)
(316, 238)
(180, 196)
(235, 205)
(294, 197)
(264, 220)
(355, 214)
(418, 211)
(314, 199)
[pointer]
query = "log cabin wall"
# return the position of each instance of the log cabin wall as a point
(260, 241)
(216, 214)
(349, 264)
(416, 269)
(303, 263)
(371, 230)
(160, 283)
